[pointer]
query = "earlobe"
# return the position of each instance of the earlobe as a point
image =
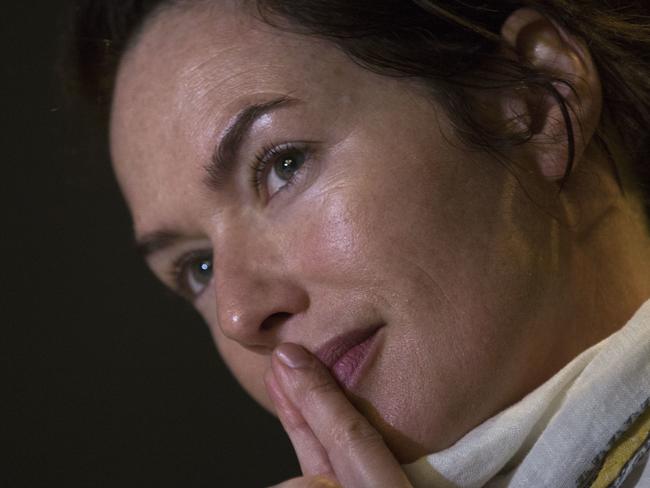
(563, 114)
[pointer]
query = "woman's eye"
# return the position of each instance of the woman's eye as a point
(193, 274)
(284, 169)
(277, 168)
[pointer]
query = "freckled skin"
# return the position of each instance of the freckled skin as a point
(392, 221)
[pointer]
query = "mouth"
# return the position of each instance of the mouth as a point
(346, 356)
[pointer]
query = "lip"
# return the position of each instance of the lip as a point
(347, 354)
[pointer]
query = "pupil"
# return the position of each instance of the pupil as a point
(288, 166)
(203, 271)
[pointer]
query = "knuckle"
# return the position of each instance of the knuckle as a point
(356, 432)
(318, 390)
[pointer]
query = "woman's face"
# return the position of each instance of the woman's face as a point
(341, 200)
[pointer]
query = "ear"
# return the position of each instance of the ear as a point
(540, 42)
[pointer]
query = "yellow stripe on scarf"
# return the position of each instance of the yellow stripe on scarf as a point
(623, 450)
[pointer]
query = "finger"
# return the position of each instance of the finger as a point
(356, 451)
(308, 482)
(310, 452)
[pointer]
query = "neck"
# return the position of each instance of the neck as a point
(607, 257)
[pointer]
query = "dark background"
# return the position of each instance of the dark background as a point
(112, 382)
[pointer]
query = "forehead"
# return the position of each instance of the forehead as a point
(188, 74)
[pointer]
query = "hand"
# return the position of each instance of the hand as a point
(336, 445)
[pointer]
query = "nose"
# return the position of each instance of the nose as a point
(255, 292)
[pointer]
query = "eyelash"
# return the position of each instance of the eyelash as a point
(267, 156)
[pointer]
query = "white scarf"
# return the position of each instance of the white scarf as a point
(558, 434)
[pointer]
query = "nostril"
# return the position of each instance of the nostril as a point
(275, 319)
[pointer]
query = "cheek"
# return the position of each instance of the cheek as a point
(336, 236)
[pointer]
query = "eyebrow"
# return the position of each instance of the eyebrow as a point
(218, 170)
(156, 241)
(224, 157)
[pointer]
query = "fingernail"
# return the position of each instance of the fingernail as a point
(293, 355)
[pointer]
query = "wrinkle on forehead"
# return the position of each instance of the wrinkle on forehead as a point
(205, 56)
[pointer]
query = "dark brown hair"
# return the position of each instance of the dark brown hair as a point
(451, 45)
